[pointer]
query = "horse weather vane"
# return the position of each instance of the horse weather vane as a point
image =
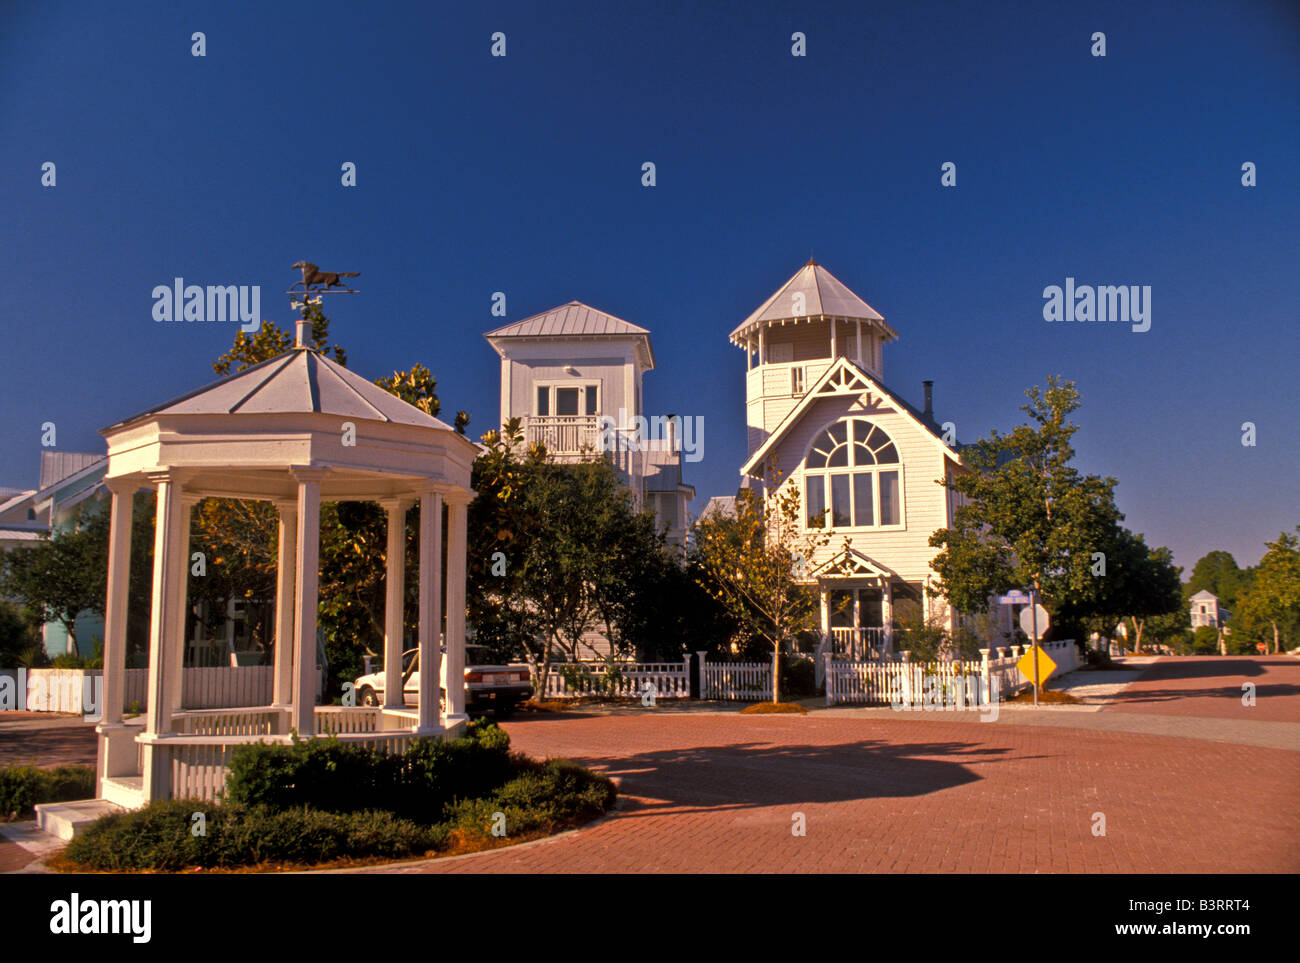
(315, 281)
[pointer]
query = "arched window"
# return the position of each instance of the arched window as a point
(851, 478)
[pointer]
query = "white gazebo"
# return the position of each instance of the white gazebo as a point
(296, 430)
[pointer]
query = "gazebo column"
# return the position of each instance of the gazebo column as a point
(394, 603)
(457, 519)
(179, 611)
(116, 748)
(168, 571)
(302, 716)
(285, 583)
(430, 611)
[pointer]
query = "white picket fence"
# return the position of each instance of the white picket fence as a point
(79, 690)
(671, 680)
(968, 683)
(747, 681)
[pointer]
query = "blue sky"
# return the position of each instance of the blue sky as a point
(522, 174)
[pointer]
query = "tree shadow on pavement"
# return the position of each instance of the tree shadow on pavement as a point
(759, 774)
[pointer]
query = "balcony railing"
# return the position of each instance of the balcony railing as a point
(564, 434)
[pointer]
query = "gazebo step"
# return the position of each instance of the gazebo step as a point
(124, 791)
(66, 819)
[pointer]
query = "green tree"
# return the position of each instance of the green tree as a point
(753, 562)
(1272, 601)
(1029, 518)
(64, 574)
(555, 551)
(1217, 573)
(1139, 583)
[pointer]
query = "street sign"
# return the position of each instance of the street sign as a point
(1045, 665)
(1027, 621)
(1015, 597)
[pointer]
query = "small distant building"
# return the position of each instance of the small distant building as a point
(1207, 611)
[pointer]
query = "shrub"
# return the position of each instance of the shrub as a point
(336, 777)
(160, 836)
(798, 676)
(1205, 641)
(23, 787)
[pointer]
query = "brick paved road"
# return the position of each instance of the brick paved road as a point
(1211, 688)
(716, 793)
(926, 793)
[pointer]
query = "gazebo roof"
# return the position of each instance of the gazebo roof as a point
(824, 295)
(245, 435)
(300, 381)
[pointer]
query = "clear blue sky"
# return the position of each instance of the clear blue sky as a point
(479, 174)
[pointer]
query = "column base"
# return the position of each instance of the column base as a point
(424, 731)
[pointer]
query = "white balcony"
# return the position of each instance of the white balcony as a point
(564, 434)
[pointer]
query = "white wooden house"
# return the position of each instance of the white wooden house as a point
(573, 376)
(865, 462)
(1206, 610)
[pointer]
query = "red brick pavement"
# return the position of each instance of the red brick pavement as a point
(716, 793)
(1211, 688)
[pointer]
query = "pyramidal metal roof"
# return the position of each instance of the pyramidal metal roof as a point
(574, 318)
(300, 381)
(824, 295)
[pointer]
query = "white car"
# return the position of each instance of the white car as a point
(497, 687)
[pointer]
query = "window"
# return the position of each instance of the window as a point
(852, 478)
(568, 400)
(796, 380)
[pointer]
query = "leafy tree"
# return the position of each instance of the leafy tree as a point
(556, 551)
(753, 562)
(1217, 573)
(20, 636)
(1139, 583)
(1273, 598)
(1028, 518)
(64, 574)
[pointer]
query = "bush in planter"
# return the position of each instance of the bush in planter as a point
(160, 836)
(337, 777)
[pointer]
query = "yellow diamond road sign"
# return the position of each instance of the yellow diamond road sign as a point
(1026, 665)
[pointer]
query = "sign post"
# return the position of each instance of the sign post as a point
(1034, 621)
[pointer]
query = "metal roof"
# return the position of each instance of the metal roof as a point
(824, 295)
(300, 381)
(574, 318)
(58, 465)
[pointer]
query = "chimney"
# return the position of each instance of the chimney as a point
(929, 399)
(304, 333)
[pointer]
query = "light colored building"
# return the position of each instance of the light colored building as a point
(1206, 610)
(865, 462)
(573, 376)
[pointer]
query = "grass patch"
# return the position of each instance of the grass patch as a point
(771, 708)
(315, 804)
(23, 787)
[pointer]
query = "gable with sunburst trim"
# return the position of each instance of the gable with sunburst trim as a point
(850, 563)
